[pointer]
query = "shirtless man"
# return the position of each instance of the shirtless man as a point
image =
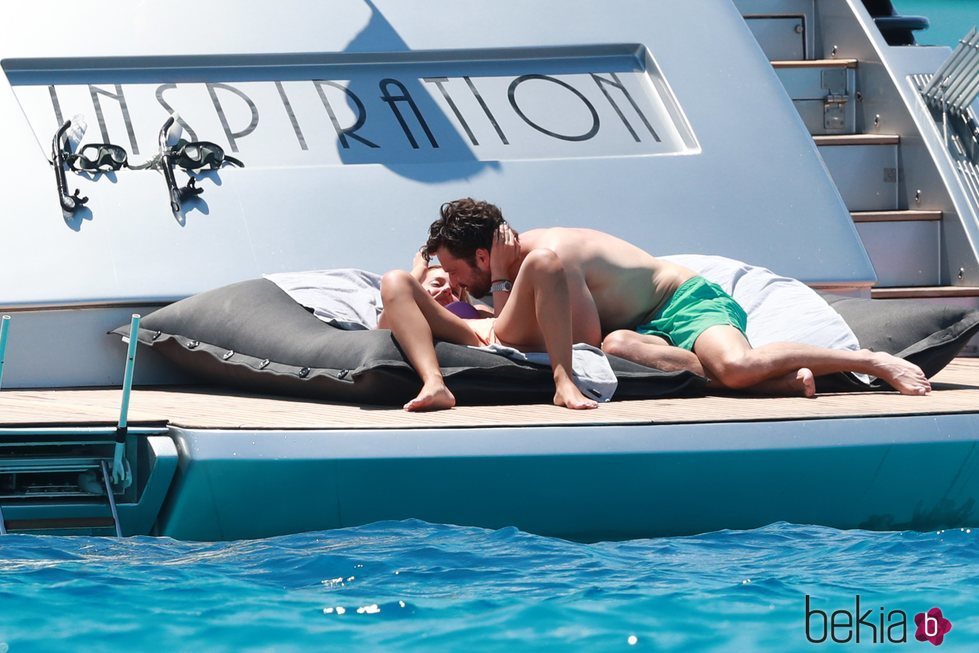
(635, 305)
(419, 306)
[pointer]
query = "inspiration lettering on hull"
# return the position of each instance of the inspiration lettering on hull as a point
(392, 109)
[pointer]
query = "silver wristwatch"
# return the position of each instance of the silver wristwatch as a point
(501, 285)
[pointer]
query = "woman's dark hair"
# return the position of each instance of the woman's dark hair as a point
(464, 226)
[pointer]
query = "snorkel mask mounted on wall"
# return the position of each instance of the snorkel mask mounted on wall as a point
(106, 157)
(189, 155)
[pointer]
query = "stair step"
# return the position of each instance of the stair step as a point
(904, 252)
(816, 63)
(928, 292)
(896, 216)
(864, 168)
(64, 524)
(904, 246)
(823, 91)
(857, 139)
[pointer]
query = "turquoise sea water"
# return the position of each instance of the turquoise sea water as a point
(950, 19)
(414, 586)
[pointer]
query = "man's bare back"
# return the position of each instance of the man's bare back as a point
(611, 280)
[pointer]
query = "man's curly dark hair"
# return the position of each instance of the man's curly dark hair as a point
(465, 225)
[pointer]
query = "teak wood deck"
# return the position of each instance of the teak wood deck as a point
(955, 390)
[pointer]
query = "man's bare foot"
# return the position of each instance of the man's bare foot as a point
(808, 381)
(569, 396)
(907, 378)
(435, 397)
(800, 383)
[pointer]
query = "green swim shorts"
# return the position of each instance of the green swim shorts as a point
(696, 306)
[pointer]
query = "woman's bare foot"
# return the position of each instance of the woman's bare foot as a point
(569, 396)
(434, 397)
(907, 378)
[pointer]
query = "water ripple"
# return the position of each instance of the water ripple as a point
(414, 586)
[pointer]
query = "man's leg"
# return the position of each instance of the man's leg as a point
(728, 358)
(538, 314)
(415, 317)
(651, 351)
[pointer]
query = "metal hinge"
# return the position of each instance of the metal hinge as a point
(834, 81)
(834, 112)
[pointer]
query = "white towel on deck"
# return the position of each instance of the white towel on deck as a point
(591, 370)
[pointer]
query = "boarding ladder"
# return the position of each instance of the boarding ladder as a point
(68, 479)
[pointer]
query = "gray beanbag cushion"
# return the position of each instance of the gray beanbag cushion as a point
(929, 335)
(252, 335)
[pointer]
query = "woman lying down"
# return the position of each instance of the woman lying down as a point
(420, 305)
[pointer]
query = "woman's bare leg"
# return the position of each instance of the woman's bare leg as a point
(414, 318)
(538, 313)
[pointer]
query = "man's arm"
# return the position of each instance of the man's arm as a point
(504, 264)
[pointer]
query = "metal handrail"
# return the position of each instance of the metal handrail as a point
(4, 329)
(112, 500)
(120, 472)
(955, 85)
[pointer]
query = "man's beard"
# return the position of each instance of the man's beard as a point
(481, 285)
